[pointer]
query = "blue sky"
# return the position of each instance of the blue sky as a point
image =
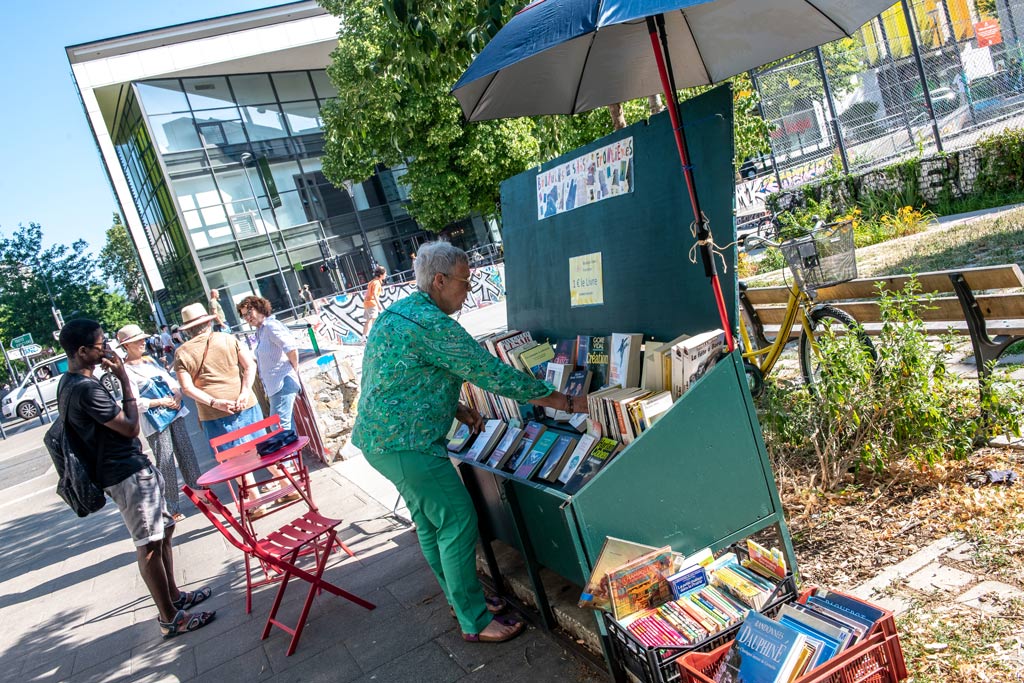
(51, 172)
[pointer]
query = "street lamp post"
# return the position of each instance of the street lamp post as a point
(359, 221)
(245, 159)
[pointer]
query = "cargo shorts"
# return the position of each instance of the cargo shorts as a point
(140, 498)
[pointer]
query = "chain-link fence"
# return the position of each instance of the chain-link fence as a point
(924, 76)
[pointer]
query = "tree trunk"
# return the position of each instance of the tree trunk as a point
(654, 104)
(618, 116)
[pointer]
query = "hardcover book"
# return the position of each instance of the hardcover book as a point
(505, 448)
(764, 651)
(515, 354)
(614, 553)
(640, 584)
(536, 454)
(515, 339)
(565, 352)
(603, 451)
(595, 359)
(531, 433)
(486, 441)
(581, 451)
(536, 358)
(557, 458)
(624, 359)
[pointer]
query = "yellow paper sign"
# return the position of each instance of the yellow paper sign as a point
(586, 280)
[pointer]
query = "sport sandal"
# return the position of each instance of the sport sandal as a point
(517, 628)
(184, 622)
(189, 599)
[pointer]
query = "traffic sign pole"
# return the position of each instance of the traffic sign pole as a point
(42, 401)
(7, 361)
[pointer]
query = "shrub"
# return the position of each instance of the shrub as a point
(771, 260)
(1001, 161)
(867, 415)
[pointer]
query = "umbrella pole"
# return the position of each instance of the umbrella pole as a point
(703, 234)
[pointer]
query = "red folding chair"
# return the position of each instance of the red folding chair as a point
(264, 429)
(281, 549)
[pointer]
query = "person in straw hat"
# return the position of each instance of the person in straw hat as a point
(163, 415)
(217, 373)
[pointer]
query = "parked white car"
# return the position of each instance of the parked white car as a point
(23, 400)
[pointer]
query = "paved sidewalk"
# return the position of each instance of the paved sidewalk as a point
(74, 608)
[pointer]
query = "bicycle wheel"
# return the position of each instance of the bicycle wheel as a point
(838, 320)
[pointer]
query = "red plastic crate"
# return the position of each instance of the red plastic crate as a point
(876, 659)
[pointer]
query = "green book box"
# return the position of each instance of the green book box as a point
(700, 476)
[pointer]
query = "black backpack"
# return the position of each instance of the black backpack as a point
(74, 485)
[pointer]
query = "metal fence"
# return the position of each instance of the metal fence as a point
(863, 102)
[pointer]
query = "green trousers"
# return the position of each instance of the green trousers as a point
(446, 525)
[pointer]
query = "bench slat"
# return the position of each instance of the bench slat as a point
(993, 306)
(1000, 327)
(1007, 276)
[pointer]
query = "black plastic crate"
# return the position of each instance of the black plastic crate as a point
(657, 664)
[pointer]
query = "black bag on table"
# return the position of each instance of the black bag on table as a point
(277, 442)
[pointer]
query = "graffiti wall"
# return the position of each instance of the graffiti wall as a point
(341, 318)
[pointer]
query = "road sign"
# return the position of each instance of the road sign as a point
(23, 340)
(26, 351)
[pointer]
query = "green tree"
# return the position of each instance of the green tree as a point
(30, 274)
(119, 265)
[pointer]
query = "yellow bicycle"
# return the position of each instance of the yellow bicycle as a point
(821, 258)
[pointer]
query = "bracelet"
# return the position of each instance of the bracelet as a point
(568, 403)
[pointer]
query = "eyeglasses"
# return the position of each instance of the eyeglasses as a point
(460, 279)
(101, 346)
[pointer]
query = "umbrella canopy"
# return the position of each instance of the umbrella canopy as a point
(571, 56)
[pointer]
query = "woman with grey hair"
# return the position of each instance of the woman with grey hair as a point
(416, 359)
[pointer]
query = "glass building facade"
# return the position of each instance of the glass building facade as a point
(226, 174)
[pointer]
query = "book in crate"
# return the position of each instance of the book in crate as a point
(824, 636)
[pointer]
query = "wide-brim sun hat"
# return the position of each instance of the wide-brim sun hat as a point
(194, 315)
(130, 333)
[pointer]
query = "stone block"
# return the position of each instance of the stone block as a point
(935, 576)
(988, 596)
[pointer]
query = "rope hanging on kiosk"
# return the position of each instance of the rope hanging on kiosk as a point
(708, 242)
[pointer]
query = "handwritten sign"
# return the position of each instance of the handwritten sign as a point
(586, 280)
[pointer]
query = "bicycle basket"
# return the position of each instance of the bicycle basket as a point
(823, 258)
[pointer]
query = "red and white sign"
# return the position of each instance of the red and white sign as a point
(988, 32)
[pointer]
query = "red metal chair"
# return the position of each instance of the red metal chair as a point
(264, 429)
(281, 549)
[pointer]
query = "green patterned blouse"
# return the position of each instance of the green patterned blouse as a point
(416, 360)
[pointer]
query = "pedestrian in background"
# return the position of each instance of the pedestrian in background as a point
(371, 302)
(277, 357)
(307, 299)
(167, 346)
(220, 323)
(161, 416)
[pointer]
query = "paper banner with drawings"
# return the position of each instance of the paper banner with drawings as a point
(594, 176)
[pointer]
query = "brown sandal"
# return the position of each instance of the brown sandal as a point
(518, 628)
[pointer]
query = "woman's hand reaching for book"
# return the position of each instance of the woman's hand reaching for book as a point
(469, 416)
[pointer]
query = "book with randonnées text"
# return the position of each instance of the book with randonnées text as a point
(531, 463)
(764, 651)
(602, 453)
(624, 359)
(556, 459)
(503, 451)
(615, 552)
(531, 433)
(693, 357)
(640, 584)
(579, 453)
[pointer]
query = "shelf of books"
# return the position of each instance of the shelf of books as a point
(602, 300)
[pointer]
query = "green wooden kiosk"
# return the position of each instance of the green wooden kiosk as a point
(701, 475)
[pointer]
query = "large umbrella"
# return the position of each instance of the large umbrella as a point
(571, 56)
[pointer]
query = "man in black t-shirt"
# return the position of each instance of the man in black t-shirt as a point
(105, 438)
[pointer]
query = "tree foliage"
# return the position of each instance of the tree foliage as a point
(118, 263)
(395, 63)
(30, 274)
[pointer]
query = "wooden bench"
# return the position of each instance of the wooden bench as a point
(985, 303)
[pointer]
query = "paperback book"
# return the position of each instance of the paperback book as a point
(615, 553)
(693, 357)
(531, 433)
(602, 453)
(508, 444)
(486, 441)
(557, 458)
(531, 463)
(640, 584)
(579, 453)
(624, 359)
